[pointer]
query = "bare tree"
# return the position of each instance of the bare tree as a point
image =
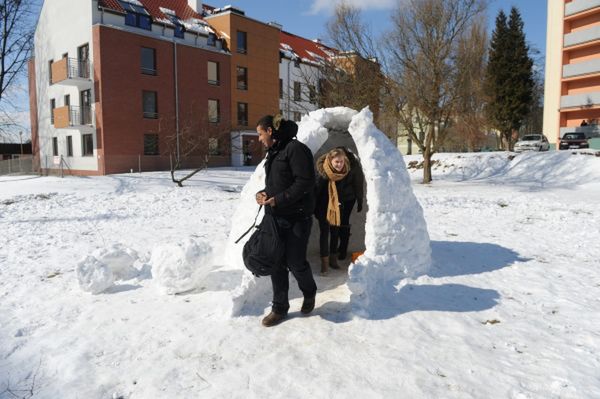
(16, 42)
(425, 58)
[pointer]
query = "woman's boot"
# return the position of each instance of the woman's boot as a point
(333, 261)
(324, 265)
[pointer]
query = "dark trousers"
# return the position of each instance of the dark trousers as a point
(330, 246)
(295, 235)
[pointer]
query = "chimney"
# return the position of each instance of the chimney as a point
(318, 41)
(276, 25)
(196, 5)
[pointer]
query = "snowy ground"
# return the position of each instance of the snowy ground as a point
(510, 309)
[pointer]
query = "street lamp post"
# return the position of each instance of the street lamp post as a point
(21, 141)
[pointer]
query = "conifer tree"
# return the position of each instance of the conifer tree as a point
(509, 76)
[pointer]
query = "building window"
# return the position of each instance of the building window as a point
(136, 15)
(242, 44)
(52, 106)
(69, 146)
(213, 111)
(242, 114)
(212, 40)
(312, 94)
(297, 62)
(67, 100)
(50, 71)
(297, 116)
(150, 144)
(55, 146)
(213, 146)
(280, 57)
(179, 31)
(280, 88)
(297, 91)
(87, 142)
(242, 78)
(150, 104)
(148, 61)
(213, 73)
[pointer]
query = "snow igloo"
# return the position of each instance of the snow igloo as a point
(391, 229)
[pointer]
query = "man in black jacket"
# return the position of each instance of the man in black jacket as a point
(289, 197)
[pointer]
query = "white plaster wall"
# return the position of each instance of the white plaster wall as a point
(63, 26)
(290, 74)
(553, 69)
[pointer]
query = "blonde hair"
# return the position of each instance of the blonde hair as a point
(338, 152)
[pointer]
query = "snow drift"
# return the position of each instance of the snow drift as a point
(396, 240)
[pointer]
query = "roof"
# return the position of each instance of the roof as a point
(296, 47)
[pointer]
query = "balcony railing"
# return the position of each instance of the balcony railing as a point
(582, 36)
(586, 100)
(578, 6)
(72, 116)
(582, 68)
(70, 71)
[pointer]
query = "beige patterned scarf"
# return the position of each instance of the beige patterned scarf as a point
(333, 207)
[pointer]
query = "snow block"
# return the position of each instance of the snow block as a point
(94, 276)
(120, 260)
(396, 241)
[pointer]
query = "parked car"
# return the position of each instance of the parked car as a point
(573, 140)
(532, 142)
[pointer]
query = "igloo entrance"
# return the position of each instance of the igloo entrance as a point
(391, 229)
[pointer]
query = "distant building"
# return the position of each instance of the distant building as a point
(572, 84)
(14, 150)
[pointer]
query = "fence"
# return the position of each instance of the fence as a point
(17, 166)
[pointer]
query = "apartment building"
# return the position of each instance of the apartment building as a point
(572, 87)
(254, 47)
(116, 85)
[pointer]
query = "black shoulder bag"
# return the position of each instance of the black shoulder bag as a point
(264, 251)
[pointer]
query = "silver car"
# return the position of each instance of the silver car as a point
(532, 142)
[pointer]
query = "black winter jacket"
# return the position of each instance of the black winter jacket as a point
(290, 179)
(350, 188)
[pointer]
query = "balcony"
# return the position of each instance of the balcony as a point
(582, 36)
(591, 131)
(72, 117)
(72, 72)
(582, 68)
(580, 6)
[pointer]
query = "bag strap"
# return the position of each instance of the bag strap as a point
(251, 227)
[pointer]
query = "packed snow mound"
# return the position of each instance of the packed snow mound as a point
(120, 260)
(396, 237)
(94, 276)
(180, 267)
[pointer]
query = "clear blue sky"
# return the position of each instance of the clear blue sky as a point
(308, 17)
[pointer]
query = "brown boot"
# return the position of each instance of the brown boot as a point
(333, 258)
(272, 319)
(308, 305)
(324, 265)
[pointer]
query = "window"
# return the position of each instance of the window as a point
(242, 45)
(69, 146)
(150, 104)
(179, 31)
(150, 144)
(67, 100)
(213, 73)
(312, 94)
(213, 146)
(136, 15)
(242, 114)
(297, 62)
(242, 78)
(213, 111)
(148, 61)
(87, 145)
(297, 116)
(280, 88)
(297, 91)
(50, 70)
(52, 106)
(212, 40)
(55, 146)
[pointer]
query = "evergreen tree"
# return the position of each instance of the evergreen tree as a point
(509, 76)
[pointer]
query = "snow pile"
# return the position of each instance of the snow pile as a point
(94, 276)
(396, 237)
(179, 267)
(98, 272)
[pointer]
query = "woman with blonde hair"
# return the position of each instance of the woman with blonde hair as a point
(339, 186)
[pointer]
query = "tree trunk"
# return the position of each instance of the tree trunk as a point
(427, 166)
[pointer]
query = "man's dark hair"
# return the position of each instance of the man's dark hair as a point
(266, 122)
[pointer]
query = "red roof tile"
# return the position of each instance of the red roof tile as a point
(181, 8)
(306, 49)
(111, 4)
